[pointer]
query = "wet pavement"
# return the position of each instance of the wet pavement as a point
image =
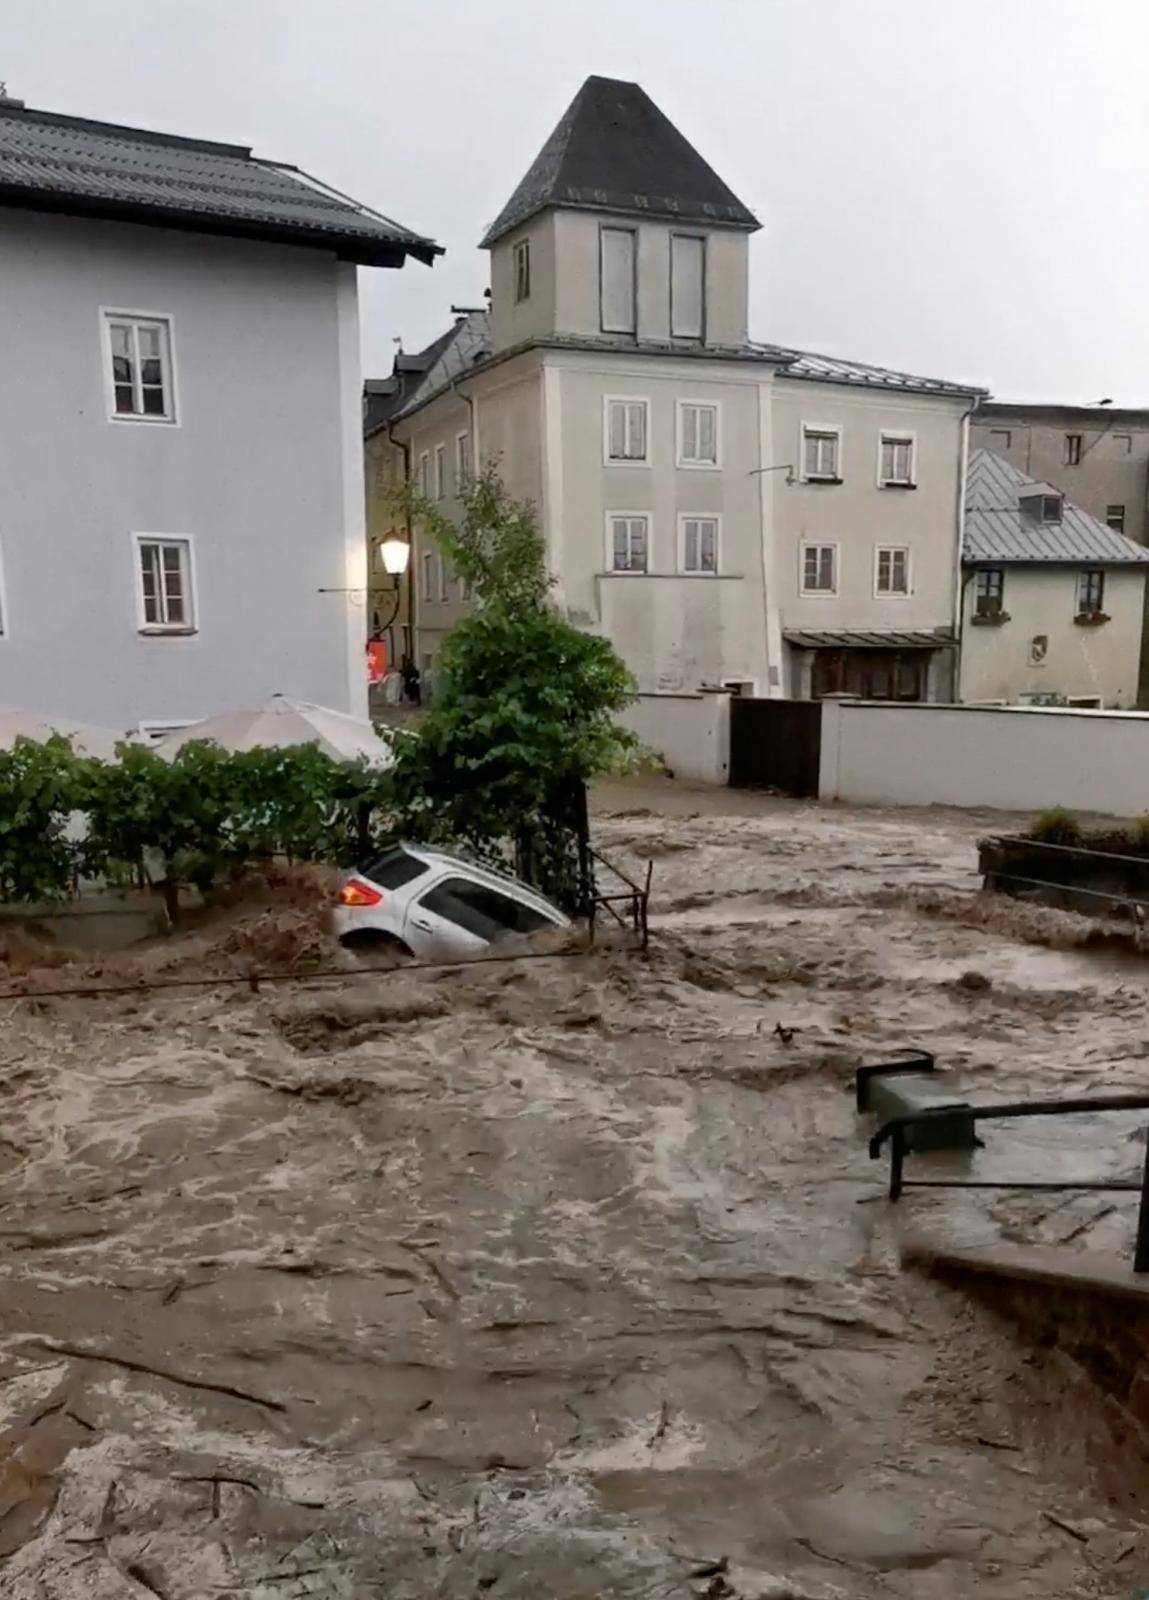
(567, 1278)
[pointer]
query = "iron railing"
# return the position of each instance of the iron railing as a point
(895, 1132)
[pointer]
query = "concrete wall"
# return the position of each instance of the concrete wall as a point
(690, 732)
(1001, 661)
(858, 515)
(1114, 466)
(262, 470)
(1009, 759)
(513, 322)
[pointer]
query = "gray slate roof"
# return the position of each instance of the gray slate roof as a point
(468, 344)
(996, 531)
(68, 164)
(813, 368)
(614, 150)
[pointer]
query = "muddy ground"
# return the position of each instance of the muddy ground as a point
(563, 1278)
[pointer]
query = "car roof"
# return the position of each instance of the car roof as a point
(499, 880)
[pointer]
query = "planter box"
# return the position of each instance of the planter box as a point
(1097, 881)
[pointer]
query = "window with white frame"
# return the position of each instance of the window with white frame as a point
(522, 270)
(617, 254)
(896, 461)
(164, 576)
(445, 576)
(687, 286)
(440, 471)
(423, 480)
(697, 434)
(819, 569)
(699, 545)
(629, 537)
(462, 462)
(1091, 592)
(140, 363)
(892, 570)
(428, 588)
(821, 454)
(626, 430)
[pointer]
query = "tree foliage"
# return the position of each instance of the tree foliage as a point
(524, 702)
(40, 787)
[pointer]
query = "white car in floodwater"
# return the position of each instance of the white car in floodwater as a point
(436, 906)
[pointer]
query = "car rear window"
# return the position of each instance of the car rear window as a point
(482, 910)
(395, 869)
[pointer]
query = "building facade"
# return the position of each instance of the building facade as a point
(1052, 598)
(1097, 455)
(181, 469)
(726, 512)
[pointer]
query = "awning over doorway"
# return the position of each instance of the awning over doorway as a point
(852, 639)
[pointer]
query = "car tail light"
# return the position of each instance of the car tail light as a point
(357, 893)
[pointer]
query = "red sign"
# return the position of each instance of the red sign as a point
(376, 660)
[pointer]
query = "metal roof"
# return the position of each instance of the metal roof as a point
(456, 353)
(614, 150)
(814, 368)
(997, 531)
(865, 639)
(68, 164)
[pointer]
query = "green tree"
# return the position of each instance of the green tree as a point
(41, 786)
(524, 703)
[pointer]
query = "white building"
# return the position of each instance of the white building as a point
(180, 435)
(1053, 598)
(726, 512)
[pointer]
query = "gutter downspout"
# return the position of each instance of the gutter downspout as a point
(959, 577)
(401, 444)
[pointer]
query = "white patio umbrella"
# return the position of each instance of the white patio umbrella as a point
(282, 721)
(87, 739)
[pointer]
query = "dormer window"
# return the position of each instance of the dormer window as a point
(1041, 505)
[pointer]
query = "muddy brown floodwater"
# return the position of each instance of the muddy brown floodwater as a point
(568, 1278)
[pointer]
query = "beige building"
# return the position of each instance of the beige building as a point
(1052, 598)
(1097, 455)
(726, 512)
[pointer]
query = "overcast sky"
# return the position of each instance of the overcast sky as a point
(954, 187)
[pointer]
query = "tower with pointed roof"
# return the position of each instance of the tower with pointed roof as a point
(620, 230)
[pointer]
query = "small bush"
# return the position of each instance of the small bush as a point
(1139, 831)
(1056, 826)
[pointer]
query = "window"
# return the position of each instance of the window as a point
(395, 869)
(626, 430)
(522, 270)
(165, 595)
(697, 434)
(440, 471)
(445, 576)
(892, 570)
(1091, 592)
(1115, 518)
(429, 586)
(140, 361)
(687, 286)
(617, 254)
(629, 538)
(423, 481)
(1072, 449)
(1000, 438)
(462, 462)
(482, 910)
(819, 569)
(820, 452)
(699, 544)
(1123, 444)
(989, 586)
(896, 464)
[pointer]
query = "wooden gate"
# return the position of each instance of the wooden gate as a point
(776, 744)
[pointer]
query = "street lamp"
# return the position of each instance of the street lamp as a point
(395, 553)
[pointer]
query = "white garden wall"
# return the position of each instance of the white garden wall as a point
(1012, 759)
(691, 732)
